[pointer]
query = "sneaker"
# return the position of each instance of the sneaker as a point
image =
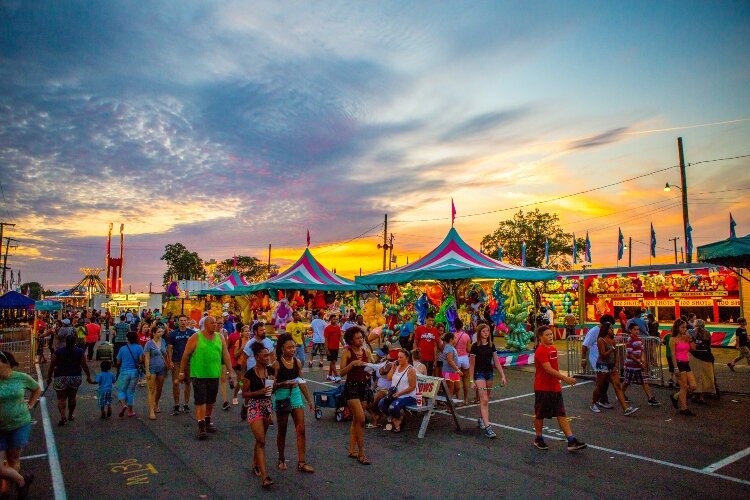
(627, 399)
(604, 404)
(674, 401)
(731, 366)
(202, 430)
(595, 409)
(176, 410)
(185, 409)
(480, 423)
(337, 379)
(225, 406)
(309, 364)
(210, 427)
(235, 401)
(630, 410)
(540, 444)
(576, 445)
(653, 402)
(23, 491)
(488, 432)
(687, 412)
(329, 377)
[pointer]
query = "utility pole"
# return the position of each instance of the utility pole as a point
(675, 247)
(269, 259)
(2, 227)
(5, 258)
(384, 246)
(390, 252)
(630, 251)
(684, 191)
(682, 254)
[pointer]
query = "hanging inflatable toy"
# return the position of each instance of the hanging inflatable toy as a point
(422, 306)
(282, 315)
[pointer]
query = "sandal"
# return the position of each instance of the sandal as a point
(157, 410)
(396, 430)
(370, 425)
(352, 454)
(303, 467)
(256, 470)
(267, 481)
(282, 464)
(62, 422)
(363, 460)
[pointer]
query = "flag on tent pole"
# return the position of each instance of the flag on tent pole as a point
(546, 251)
(587, 249)
(689, 242)
(308, 237)
(523, 254)
(732, 225)
(620, 244)
(235, 262)
(453, 212)
(575, 250)
(500, 254)
(653, 241)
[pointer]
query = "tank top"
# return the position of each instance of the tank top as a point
(206, 359)
(400, 380)
(257, 383)
(357, 373)
(681, 350)
(462, 341)
(287, 373)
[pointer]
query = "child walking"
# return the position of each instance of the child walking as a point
(548, 400)
(105, 380)
(634, 364)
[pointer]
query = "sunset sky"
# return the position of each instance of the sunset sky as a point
(231, 125)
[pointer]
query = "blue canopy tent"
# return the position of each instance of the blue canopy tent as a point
(15, 300)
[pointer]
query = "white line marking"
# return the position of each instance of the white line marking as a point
(519, 396)
(31, 457)
(732, 458)
(614, 452)
(322, 383)
(58, 484)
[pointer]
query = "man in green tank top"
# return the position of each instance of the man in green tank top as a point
(206, 350)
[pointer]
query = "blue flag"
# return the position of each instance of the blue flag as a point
(587, 249)
(620, 244)
(575, 250)
(689, 242)
(500, 254)
(523, 254)
(732, 225)
(546, 251)
(653, 241)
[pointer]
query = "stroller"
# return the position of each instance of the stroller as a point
(332, 398)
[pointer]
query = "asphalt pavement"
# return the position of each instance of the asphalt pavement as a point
(654, 453)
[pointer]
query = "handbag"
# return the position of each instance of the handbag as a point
(284, 405)
(393, 390)
(138, 366)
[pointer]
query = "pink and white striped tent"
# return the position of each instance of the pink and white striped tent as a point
(230, 286)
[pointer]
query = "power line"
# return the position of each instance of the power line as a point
(380, 224)
(577, 193)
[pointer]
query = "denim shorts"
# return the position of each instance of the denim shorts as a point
(159, 372)
(486, 376)
(17, 438)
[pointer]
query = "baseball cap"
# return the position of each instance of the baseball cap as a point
(66, 321)
(225, 314)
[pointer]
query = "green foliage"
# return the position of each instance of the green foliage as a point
(181, 263)
(534, 228)
(35, 289)
(252, 268)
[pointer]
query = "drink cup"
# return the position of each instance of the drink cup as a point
(269, 386)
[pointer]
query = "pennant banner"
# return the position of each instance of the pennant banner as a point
(620, 244)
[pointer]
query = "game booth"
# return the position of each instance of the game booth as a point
(667, 291)
(455, 280)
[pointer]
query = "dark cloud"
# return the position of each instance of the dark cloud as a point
(601, 139)
(484, 124)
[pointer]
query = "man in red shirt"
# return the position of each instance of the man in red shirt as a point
(332, 335)
(548, 400)
(92, 337)
(425, 338)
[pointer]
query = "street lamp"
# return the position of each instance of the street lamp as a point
(668, 187)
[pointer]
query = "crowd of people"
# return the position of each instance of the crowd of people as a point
(206, 358)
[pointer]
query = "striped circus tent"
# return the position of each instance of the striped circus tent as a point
(454, 259)
(229, 286)
(307, 274)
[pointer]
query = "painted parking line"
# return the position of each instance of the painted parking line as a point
(58, 484)
(730, 459)
(617, 452)
(528, 394)
(32, 457)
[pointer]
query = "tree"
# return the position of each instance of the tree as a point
(250, 267)
(534, 228)
(32, 289)
(181, 263)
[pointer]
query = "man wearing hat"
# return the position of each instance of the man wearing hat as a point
(65, 330)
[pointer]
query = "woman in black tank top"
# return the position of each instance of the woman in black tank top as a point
(288, 399)
(257, 396)
(356, 390)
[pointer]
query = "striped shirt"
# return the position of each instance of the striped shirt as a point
(634, 349)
